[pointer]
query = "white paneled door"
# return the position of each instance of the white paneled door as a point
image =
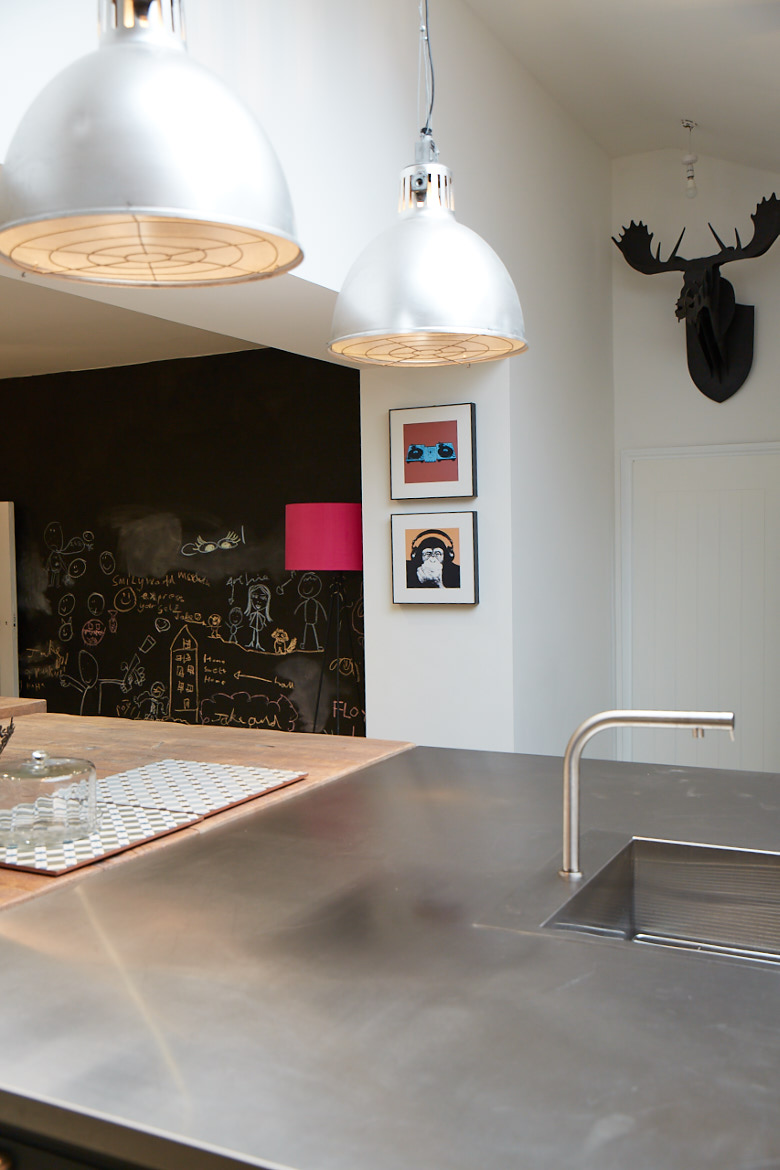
(701, 600)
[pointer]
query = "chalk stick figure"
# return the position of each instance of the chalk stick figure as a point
(258, 603)
(308, 588)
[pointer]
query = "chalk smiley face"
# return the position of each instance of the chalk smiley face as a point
(125, 599)
(92, 632)
(96, 603)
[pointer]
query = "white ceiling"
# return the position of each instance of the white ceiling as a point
(630, 70)
(627, 70)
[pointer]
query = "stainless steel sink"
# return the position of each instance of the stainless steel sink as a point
(699, 897)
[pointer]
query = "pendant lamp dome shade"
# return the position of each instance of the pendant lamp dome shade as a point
(137, 166)
(428, 291)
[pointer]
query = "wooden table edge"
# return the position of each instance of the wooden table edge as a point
(17, 886)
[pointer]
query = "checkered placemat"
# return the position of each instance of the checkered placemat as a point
(120, 828)
(147, 802)
(188, 784)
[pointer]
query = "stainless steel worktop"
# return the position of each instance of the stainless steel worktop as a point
(357, 980)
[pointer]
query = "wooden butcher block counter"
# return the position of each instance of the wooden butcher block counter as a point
(116, 745)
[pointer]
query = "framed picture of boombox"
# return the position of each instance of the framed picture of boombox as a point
(434, 558)
(433, 452)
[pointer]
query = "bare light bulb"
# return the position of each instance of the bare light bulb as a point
(691, 190)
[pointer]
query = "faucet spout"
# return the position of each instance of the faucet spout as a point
(696, 720)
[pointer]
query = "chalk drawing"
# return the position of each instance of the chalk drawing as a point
(283, 643)
(346, 711)
(93, 632)
(285, 684)
(243, 579)
(347, 668)
(357, 617)
(245, 710)
(234, 621)
(96, 603)
(222, 544)
(185, 676)
(258, 601)
(152, 704)
(308, 588)
(66, 604)
(131, 626)
(125, 599)
(87, 683)
(133, 674)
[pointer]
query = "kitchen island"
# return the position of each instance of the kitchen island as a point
(356, 978)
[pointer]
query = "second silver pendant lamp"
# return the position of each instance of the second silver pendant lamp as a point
(428, 291)
(137, 166)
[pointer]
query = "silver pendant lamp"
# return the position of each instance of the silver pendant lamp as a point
(137, 166)
(428, 291)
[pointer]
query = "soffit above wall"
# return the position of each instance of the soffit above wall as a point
(43, 331)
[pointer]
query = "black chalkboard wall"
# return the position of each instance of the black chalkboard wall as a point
(149, 506)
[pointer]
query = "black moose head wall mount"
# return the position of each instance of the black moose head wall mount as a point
(718, 331)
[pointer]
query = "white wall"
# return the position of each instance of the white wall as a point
(440, 674)
(562, 440)
(656, 403)
(335, 87)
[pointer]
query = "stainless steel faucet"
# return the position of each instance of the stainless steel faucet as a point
(696, 720)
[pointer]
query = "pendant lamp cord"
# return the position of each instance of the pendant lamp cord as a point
(425, 70)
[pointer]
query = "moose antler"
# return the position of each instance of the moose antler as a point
(766, 229)
(635, 240)
(634, 243)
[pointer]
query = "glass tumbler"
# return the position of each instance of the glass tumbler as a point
(47, 800)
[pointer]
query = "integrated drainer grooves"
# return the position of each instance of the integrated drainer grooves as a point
(698, 897)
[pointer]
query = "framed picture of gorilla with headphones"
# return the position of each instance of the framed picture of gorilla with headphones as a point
(433, 452)
(434, 558)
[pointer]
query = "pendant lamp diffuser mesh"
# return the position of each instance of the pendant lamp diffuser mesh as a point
(146, 250)
(426, 349)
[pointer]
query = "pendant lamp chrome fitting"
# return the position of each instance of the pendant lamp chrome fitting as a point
(426, 150)
(418, 181)
(154, 17)
(426, 188)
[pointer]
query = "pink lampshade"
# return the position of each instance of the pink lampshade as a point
(323, 537)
